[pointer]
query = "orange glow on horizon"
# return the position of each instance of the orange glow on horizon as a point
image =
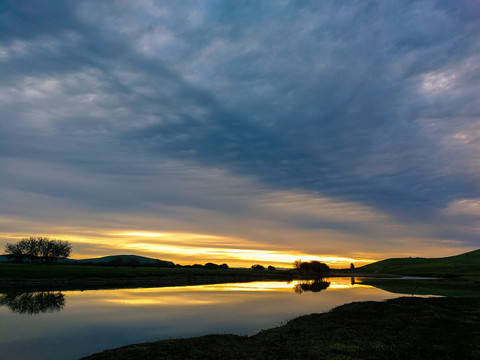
(190, 248)
(236, 256)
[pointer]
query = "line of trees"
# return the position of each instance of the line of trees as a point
(209, 266)
(40, 250)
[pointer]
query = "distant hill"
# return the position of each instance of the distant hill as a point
(464, 264)
(119, 259)
(124, 259)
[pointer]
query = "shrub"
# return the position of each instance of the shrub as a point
(258, 267)
(314, 267)
(211, 266)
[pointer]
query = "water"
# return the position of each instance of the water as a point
(72, 324)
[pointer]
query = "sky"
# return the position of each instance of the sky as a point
(242, 131)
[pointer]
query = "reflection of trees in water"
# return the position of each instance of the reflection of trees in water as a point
(33, 302)
(313, 285)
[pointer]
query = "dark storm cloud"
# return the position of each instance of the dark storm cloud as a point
(342, 113)
(372, 102)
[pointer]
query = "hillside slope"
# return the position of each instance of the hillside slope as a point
(124, 259)
(459, 265)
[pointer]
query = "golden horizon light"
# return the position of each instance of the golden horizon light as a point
(235, 255)
(188, 248)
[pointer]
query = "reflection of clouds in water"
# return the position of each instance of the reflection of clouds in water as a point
(32, 303)
(92, 322)
(51, 301)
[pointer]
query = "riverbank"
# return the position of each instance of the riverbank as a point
(31, 277)
(455, 287)
(71, 277)
(402, 328)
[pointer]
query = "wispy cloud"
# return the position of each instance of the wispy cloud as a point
(359, 119)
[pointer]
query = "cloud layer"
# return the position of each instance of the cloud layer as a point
(353, 127)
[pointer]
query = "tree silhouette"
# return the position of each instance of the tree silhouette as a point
(211, 266)
(312, 267)
(39, 250)
(297, 263)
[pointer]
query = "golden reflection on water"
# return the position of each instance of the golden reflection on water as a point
(206, 294)
(93, 320)
(147, 297)
(251, 286)
(159, 301)
(343, 283)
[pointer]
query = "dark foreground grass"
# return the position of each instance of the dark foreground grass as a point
(403, 328)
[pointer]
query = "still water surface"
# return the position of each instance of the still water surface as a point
(72, 324)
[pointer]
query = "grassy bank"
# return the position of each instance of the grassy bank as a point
(403, 328)
(30, 271)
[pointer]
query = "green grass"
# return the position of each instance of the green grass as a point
(465, 265)
(403, 328)
(30, 271)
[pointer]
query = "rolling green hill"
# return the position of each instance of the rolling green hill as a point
(467, 264)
